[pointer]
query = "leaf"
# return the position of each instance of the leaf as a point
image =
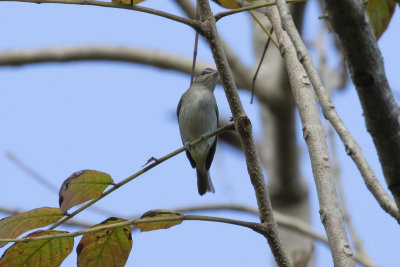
(49, 252)
(13, 226)
(110, 247)
(127, 2)
(144, 227)
(380, 13)
(231, 4)
(82, 186)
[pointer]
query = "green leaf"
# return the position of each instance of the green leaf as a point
(82, 186)
(13, 226)
(144, 227)
(110, 247)
(50, 252)
(380, 13)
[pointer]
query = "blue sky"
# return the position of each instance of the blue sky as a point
(112, 117)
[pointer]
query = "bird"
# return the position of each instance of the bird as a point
(197, 116)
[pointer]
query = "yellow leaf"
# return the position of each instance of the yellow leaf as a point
(13, 226)
(49, 252)
(231, 4)
(380, 13)
(82, 186)
(158, 225)
(110, 247)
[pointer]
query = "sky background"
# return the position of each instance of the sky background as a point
(59, 118)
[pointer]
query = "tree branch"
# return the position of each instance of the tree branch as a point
(156, 58)
(352, 148)
(314, 136)
(135, 175)
(244, 128)
(190, 22)
(239, 70)
(381, 112)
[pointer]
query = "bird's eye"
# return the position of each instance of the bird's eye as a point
(207, 71)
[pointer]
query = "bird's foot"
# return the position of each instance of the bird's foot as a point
(187, 145)
(205, 139)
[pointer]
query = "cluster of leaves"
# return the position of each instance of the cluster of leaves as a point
(109, 246)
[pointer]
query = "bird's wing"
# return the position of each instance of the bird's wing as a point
(210, 155)
(192, 162)
(179, 108)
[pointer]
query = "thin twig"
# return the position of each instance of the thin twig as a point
(46, 183)
(265, 29)
(135, 175)
(250, 7)
(190, 22)
(259, 66)
(346, 215)
(196, 42)
(284, 221)
(97, 228)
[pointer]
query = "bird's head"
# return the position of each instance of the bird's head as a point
(208, 77)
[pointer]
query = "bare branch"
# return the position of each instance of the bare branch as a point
(190, 22)
(381, 112)
(137, 174)
(244, 129)
(239, 70)
(314, 136)
(336, 173)
(352, 148)
(156, 58)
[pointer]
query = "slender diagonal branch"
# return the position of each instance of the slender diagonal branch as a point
(381, 112)
(250, 7)
(314, 135)
(352, 148)
(46, 183)
(142, 171)
(190, 22)
(244, 129)
(347, 218)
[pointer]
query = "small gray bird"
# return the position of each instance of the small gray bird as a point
(197, 116)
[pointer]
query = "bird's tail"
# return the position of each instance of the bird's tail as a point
(204, 183)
